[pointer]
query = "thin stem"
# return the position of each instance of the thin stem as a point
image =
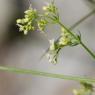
(82, 20)
(45, 74)
(81, 43)
(69, 31)
(87, 49)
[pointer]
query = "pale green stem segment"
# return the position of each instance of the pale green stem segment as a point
(88, 50)
(45, 74)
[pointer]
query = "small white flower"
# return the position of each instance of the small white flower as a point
(63, 41)
(25, 32)
(52, 44)
(44, 8)
(52, 58)
(75, 92)
(19, 21)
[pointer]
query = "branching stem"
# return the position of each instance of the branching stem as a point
(81, 43)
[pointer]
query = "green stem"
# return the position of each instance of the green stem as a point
(45, 74)
(80, 21)
(87, 49)
(69, 31)
(81, 43)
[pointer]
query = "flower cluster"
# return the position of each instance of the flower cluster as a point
(67, 39)
(50, 8)
(27, 23)
(51, 12)
(42, 24)
(86, 89)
